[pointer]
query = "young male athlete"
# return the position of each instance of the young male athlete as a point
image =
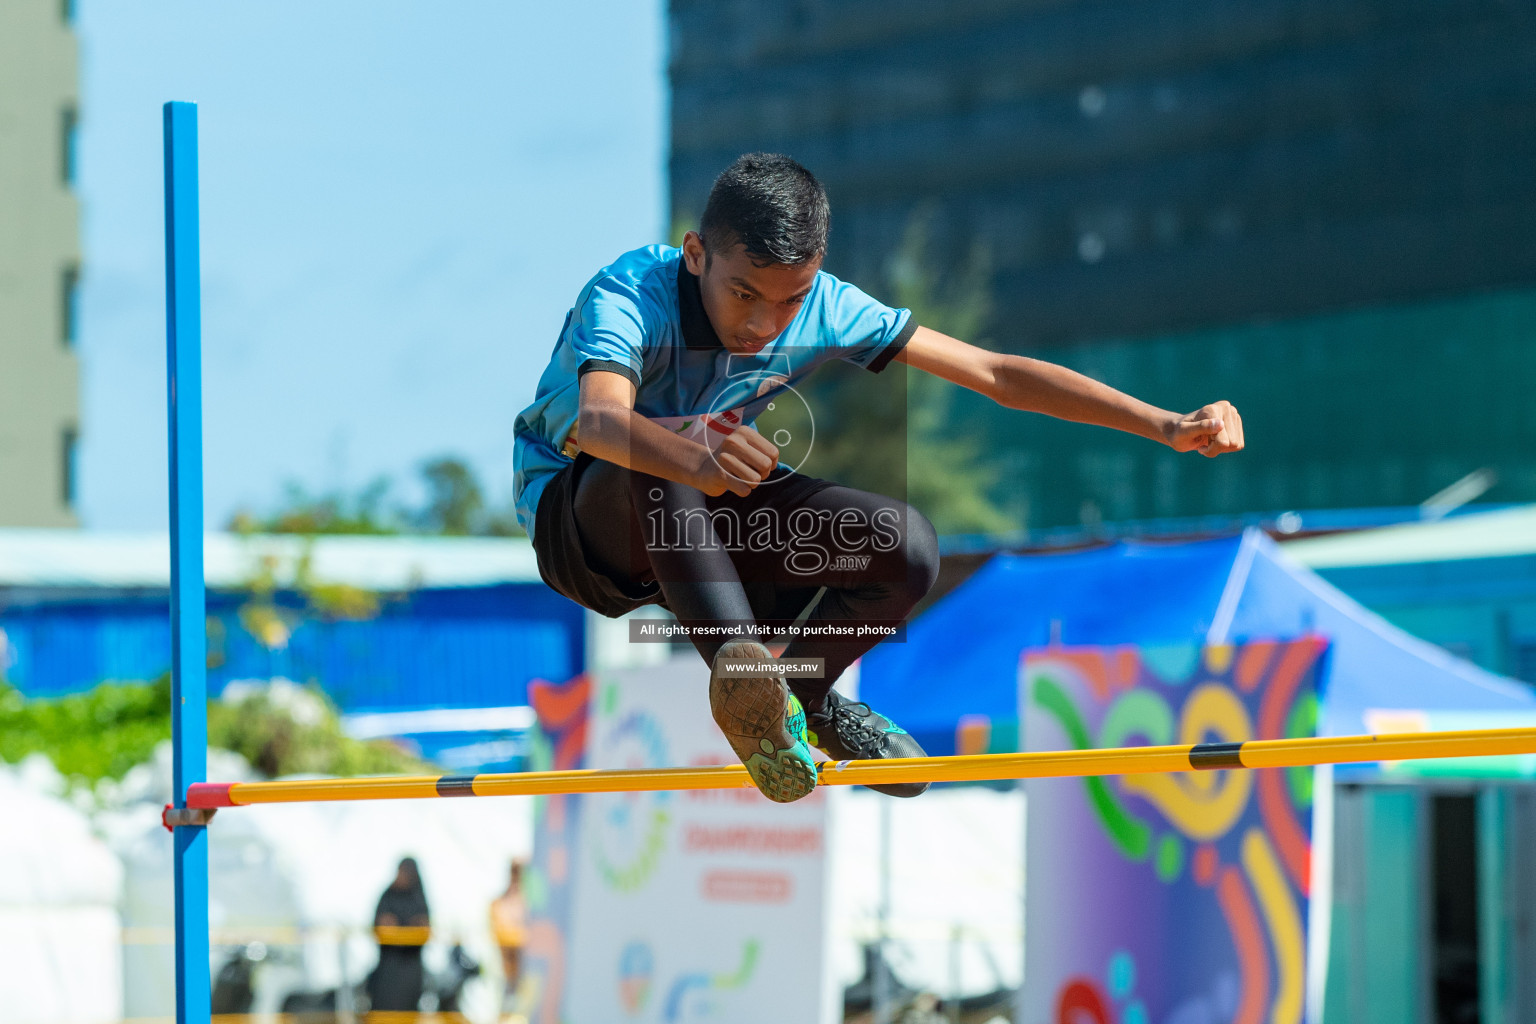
(641, 479)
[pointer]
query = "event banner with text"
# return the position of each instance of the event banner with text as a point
(692, 906)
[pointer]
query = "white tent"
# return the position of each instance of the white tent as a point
(59, 885)
(304, 880)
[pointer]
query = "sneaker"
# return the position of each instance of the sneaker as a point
(764, 723)
(848, 730)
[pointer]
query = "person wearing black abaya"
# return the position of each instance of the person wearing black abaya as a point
(400, 923)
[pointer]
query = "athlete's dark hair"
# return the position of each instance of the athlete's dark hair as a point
(772, 206)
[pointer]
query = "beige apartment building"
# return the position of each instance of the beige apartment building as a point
(39, 263)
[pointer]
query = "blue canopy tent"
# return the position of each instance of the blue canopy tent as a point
(1372, 955)
(961, 658)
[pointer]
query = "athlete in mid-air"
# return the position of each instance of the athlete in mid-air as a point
(641, 479)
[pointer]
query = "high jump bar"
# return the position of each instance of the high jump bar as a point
(1282, 753)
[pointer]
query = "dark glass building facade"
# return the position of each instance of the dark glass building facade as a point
(1323, 211)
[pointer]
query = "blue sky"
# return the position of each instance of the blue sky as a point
(399, 203)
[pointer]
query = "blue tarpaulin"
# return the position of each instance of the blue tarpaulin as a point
(459, 647)
(962, 656)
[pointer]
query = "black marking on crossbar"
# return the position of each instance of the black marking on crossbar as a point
(1210, 756)
(456, 785)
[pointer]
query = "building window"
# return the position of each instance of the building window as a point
(1525, 661)
(71, 447)
(69, 124)
(69, 288)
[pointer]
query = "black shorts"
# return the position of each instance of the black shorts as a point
(564, 565)
(562, 562)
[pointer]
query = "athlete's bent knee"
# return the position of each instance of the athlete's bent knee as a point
(920, 549)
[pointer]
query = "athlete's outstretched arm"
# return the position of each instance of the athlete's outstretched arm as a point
(1033, 385)
(608, 428)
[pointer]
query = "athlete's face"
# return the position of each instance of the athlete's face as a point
(748, 305)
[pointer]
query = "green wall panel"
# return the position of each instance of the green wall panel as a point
(1370, 408)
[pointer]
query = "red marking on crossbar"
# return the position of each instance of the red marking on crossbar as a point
(203, 795)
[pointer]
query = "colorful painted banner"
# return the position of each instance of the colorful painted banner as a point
(1168, 899)
(702, 905)
(558, 742)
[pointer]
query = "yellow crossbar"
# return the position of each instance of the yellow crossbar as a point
(970, 768)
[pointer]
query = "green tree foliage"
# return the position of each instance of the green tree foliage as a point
(88, 736)
(333, 513)
(277, 741)
(104, 732)
(272, 622)
(454, 505)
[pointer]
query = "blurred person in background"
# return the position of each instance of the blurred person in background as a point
(509, 924)
(401, 923)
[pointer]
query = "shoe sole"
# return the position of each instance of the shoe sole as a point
(750, 711)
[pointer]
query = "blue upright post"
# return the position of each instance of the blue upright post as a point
(189, 705)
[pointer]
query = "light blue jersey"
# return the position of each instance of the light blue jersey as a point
(642, 316)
